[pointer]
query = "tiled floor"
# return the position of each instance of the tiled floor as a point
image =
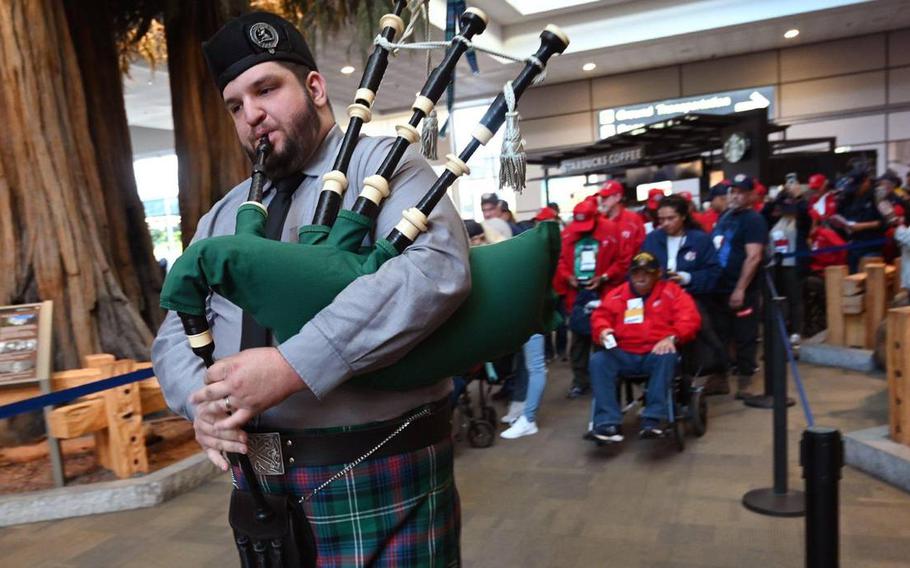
(556, 500)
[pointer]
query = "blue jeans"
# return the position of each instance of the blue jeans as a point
(607, 366)
(532, 376)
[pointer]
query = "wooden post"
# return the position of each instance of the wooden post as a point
(876, 300)
(834, 278)
(126, 442)
(898, 367)
(897, 275)
(869, 260)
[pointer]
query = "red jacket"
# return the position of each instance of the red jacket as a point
(605, 234)
(631, 235)
(830, 205)
(668, 310)
(708, 219)
(823, 237)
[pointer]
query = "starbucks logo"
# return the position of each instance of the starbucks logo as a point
(264, 35)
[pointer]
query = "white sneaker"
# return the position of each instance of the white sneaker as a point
(516, 409)
(521, 427)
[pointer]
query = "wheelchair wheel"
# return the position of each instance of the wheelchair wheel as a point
(679, 434)
(489, 415)
(698, 413)
(480, 434)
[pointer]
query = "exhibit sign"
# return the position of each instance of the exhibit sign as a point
(613, 121)
(25, 337)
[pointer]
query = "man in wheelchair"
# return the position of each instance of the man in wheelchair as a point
(640, 324)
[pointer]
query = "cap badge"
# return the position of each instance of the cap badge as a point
(264, 35)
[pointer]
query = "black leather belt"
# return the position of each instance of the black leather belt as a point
(273, 453)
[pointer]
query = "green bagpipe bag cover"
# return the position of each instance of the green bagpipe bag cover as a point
(284, 285)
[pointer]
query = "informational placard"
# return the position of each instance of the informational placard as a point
(24, 343)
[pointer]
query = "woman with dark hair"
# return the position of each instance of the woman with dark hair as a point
(687, 256)
(685, 252)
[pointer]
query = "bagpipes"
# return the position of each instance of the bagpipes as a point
(284, 285)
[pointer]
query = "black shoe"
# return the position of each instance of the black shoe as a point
(576, 392)
(650, 429)
(743, 395)
(608, 433)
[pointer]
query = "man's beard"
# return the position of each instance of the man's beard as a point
(300, 141)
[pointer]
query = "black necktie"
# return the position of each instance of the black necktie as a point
(253, 334)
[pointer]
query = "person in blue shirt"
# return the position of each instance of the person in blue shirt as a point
(685, 252)
(739, 238)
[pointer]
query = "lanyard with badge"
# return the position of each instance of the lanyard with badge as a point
(585, 259)
(635, 311)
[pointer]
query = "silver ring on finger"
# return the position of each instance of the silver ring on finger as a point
(228, 408)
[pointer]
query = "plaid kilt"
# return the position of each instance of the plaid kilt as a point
(400, 510)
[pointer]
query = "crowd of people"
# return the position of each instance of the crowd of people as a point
(669, 289)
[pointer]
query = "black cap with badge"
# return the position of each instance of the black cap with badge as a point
(252, 39)
(644, 261)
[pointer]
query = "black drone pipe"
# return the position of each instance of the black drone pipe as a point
(473, 22)
(330, 198)
(552, 42)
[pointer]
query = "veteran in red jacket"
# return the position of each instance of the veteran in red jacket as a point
(640, 324)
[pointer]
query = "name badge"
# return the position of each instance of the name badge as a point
(635, 311)
(588, 260)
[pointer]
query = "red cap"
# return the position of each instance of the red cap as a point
(545, 214)
(760, 188)
(612, 187)
(583, 217)
(817, 181)
(687, 195)
(655, 194)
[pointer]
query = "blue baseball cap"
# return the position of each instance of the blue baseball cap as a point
(744, 182)
(720, 189)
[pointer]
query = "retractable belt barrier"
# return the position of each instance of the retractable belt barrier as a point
(872, 243)
(66, 395)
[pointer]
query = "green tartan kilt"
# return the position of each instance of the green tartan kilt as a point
(400, 510)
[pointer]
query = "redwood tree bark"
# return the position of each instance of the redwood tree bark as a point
(53, 210)
(209, 156)
(124, 230)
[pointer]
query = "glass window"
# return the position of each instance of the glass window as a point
(156, 181)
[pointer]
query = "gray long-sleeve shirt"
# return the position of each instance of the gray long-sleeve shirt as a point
(373, 322)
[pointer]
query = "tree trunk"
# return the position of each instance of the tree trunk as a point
(53, 214)
(124, 231)
(210, 159)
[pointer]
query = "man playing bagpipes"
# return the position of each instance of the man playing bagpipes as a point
(287, 409)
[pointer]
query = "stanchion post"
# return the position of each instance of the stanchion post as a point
(777, 501)
(822, 458)
(766, 399)
(778, 366)
(769, 332)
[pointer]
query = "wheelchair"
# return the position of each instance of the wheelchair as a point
(687, 407)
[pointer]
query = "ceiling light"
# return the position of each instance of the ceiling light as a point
(347, 69)
(588, 66)
(790, 34)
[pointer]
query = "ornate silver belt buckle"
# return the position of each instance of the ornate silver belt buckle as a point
(264, 451)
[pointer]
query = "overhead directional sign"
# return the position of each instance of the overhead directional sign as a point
(623, 119)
